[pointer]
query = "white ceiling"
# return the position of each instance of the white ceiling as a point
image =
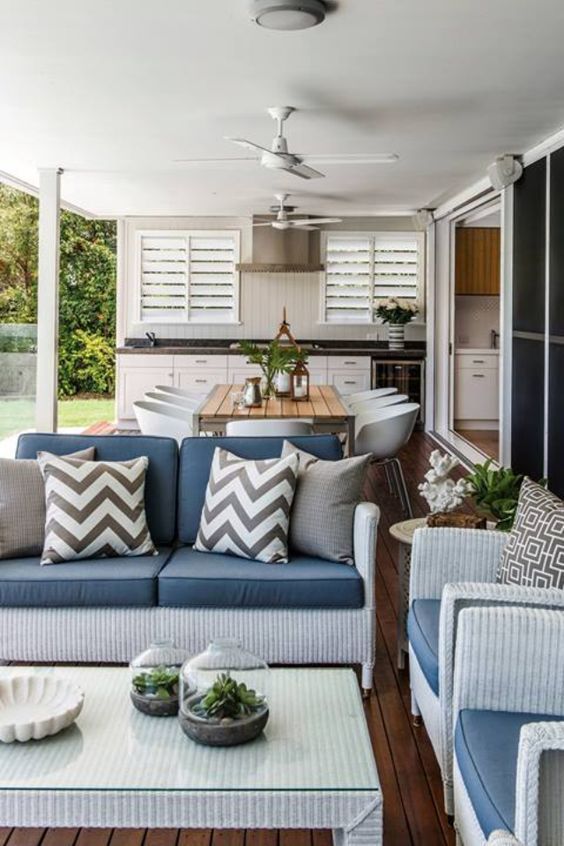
(113, 92)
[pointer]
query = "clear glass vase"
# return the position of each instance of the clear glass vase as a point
(155, 677)
(210, 678)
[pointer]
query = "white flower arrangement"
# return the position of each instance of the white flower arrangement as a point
(441, 492)
(396, 310)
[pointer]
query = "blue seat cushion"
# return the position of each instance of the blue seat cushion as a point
(160, 485)
(196, 457)
(194, 579)
(97, 582)
(486, 744)
(423, 632)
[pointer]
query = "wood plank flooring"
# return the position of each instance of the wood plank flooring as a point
(410, 778)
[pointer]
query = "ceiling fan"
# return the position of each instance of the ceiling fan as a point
(284, 222)
(279, 158)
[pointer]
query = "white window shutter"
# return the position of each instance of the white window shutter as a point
(348, 275)
(212, 294)
(164, 278)
(189, 277)
(363, 268)
(397, 265)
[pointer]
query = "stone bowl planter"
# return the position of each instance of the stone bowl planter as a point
(154, 706)
(226, 732)
(33, 707)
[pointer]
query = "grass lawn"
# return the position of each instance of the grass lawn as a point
(19, 414)
(84, 412)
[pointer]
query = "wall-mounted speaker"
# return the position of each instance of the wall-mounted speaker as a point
(504, 171)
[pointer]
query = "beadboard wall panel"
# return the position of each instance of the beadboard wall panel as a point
(262, 296)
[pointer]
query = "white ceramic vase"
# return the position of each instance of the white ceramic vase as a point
(396, 336)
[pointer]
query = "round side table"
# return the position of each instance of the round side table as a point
(403, 532)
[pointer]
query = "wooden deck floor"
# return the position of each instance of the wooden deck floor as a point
(409, 775)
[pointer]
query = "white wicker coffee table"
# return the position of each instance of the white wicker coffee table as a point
(312, 768)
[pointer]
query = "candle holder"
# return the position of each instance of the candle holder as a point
(299, 382)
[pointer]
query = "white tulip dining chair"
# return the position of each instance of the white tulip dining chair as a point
(162, 420)
(383, 432)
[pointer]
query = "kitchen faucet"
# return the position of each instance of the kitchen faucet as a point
(494, 337)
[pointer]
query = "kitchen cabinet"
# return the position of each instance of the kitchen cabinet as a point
(349, 373)
(476, 387)
(138, 374)
(478, 260)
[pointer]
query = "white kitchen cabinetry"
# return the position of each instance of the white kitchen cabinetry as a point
(349, 373)
(138, 374)
(477, 387)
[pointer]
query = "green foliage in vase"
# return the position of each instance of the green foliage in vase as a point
(273, 358)
(496, 493)
(226, 699)
(87, 289)
(161, 682)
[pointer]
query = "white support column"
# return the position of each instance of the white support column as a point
(48, 300)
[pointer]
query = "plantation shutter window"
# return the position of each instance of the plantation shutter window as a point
(362, 269)
(189, 277)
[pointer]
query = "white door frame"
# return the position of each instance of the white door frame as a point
(442, 342)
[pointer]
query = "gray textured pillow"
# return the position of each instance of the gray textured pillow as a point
(322, 518)
(22, 505)
(534, 553)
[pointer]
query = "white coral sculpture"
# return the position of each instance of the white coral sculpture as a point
(441, 492)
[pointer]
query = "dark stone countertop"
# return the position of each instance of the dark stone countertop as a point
(377, 349)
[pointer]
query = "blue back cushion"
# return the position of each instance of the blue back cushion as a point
(196, 456)
(160, 489)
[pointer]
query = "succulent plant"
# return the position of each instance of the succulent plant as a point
(161, 682)
(227, 699)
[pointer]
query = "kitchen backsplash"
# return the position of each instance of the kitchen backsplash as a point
(475, 317)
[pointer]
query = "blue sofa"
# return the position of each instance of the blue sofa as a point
(307, 611)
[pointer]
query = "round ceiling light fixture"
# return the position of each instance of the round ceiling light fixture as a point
(289, 15)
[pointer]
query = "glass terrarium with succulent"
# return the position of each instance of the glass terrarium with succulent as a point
(155, 679)
(223, 695)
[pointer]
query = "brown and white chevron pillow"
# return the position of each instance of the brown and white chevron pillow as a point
(247, 507)
(95, 509)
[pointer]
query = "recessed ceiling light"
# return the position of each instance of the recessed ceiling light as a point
(288, 14)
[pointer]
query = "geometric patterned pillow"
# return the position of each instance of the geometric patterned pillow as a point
(247, 507)
(534, 552)
(95, 509)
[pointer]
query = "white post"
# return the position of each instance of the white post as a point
(48, 300)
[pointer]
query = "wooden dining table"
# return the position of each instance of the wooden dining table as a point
(325, 408)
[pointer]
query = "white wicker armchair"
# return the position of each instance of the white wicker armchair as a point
(523, 674)
(458, 567)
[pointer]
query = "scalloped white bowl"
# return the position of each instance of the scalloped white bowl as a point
(33, 707)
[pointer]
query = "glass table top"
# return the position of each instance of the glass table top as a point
(316, 739)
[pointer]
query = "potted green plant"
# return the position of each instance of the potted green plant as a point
(272, 358)
(495, 492)
(227, 714)
(397, 313)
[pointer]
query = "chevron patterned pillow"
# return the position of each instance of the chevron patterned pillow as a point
(534, 553)
(247, 507)
(95, 509)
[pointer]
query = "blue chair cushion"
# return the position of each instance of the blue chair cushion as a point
(160, 487)
(486, 745)
(96, 582)
(423, 632)
(208, 580)
(196, 457)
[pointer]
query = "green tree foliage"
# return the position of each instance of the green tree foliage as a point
(87, 293)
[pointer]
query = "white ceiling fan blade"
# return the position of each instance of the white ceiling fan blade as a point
(306, 228)
(353, 158)
(304, 171)
(268, 223)
(248, 145)
(316, 220)
(215, 161)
